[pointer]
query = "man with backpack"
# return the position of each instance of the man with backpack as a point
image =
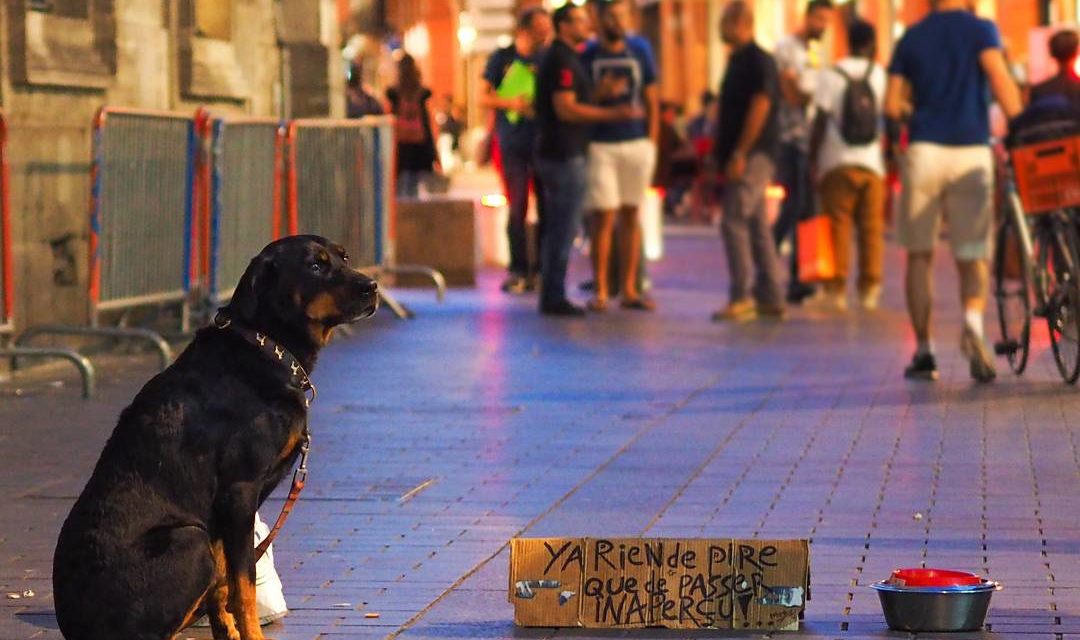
(847, 164)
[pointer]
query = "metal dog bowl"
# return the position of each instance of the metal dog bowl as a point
(950, 608)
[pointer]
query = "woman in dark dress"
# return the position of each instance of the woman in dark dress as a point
(416, 158)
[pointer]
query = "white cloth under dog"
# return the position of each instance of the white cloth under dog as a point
(269, 597)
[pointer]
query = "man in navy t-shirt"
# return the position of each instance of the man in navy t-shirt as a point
(622, 155)
(509, 80)
(941, 77)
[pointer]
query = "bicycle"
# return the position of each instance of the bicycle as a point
(1037, 256)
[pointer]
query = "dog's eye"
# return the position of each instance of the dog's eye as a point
(345, 258)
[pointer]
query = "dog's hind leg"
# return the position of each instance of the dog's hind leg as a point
(180, 570)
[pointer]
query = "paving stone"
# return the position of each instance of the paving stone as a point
(505, 423)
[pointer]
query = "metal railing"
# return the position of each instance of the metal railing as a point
(141, 245)
(245, 187)
(7, 285)
(340, 186)
(328, 169)
(180, 203)
(140, 219)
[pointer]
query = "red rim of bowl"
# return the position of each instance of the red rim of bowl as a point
(918, 577)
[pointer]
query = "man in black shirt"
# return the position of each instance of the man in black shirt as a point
(563, 115)
(746, 144)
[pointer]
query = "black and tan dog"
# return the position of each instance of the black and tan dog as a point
(164, 527)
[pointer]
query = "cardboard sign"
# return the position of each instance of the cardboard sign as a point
(678, 583)
(771, 581)
(547, 581)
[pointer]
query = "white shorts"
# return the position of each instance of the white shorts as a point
(619, 173)
(954, 185)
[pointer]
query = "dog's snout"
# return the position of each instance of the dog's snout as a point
(367, 287)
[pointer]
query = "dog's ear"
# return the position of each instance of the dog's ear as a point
(256, 278)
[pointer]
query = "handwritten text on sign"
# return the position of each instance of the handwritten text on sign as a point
(677, 583)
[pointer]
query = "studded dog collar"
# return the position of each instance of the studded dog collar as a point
(265, 343)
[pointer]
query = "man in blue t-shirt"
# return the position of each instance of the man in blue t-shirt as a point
(509, 83)
(942, 74)
(622, 155)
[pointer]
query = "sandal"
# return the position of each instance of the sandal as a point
(639, 304)
(597, 305)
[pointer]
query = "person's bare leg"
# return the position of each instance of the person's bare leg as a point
(974, 285)
(919, 290)
(603, 226)
(629, 251)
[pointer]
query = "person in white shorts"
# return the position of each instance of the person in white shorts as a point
(622, 155)
(940, 78)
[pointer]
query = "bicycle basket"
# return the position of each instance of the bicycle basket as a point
(1048, 174)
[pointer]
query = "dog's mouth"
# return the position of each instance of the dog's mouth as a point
(367, 310)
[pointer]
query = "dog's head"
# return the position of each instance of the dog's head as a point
(303, 285)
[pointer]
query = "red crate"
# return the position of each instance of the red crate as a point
(1048, 174)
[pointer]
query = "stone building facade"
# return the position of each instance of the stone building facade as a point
(61, 60)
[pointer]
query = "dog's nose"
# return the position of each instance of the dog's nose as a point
(368, 287)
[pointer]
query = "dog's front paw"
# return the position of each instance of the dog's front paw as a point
(225, 629)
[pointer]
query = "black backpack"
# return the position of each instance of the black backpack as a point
(859, 120)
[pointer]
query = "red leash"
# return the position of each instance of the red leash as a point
(299, 477)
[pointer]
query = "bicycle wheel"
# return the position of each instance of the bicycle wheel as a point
(1060, 261)
(1012, 292)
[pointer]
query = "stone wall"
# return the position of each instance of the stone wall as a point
(57, 69)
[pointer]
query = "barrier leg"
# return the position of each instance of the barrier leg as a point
(434, 275)
(86, 369)
(399, 309)
(145, 335)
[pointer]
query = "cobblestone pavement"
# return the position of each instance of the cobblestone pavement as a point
(438, 439)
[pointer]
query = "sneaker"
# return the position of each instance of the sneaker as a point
(515, 285)
(737, 311)
(870, 298)
(978, 354)
(923, 367)
(771, 311)
(563, 308)
(532, 283)
(832, 300)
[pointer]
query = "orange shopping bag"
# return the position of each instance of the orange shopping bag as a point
(817, 259)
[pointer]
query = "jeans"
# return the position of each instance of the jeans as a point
(564, 185)
(793, 173)
(518, 168)
(751, 253)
